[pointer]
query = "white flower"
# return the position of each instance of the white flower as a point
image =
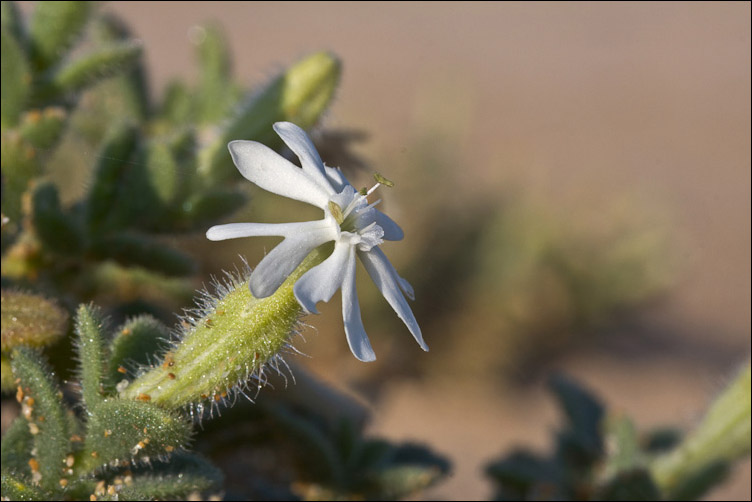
(355, 226)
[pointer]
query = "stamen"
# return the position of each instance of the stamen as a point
(373, 189)
(382, 180)
(336, 212)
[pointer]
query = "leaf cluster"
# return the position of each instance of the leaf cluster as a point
(105, 447)
(598, 456)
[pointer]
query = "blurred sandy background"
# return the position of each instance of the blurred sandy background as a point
(579, 106)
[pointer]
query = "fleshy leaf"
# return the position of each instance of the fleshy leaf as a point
(15, 487)
(135, 343)
(132, 86)
(91, 354)
(20, 164)
(184, 474)
(215, 93)
(16, 80)
(56, 229)
(31, 320)
(86, 69)
(54, 27)
(46, 415)
(624, 451)
(212, 205)
(43, 128)
(120, 430)
(12, 22)
(300, 95)
(16, 447)
(584, 414)
(631, 484)
(134, 249)
(109, 172)
(163, 171)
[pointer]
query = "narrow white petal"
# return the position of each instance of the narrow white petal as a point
(336, 178)
(298, 141)
(272, 172)
(406, 288)
(386, 279)
(321, 282)
(357, 338)
(392, 231)
(236, 230)
(274, 268)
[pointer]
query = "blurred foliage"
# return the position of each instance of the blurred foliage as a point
(103, 187)
(603, 457)
(99, 180)
(51, 453)
(504, 281)
(154, 169)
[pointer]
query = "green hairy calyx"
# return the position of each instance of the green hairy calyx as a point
(225, 345)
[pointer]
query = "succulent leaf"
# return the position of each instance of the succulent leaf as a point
(46, 416)
(30, 320)
(54, 27)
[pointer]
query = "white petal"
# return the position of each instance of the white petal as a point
(406, 288)
(357, 338)
(272, 271)
(236, 230)
(392, 231)
(272, 172)
(298, 141)
(386, 279)
(336, 178)
(321, 282)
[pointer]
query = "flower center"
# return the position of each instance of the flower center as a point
(356, 218)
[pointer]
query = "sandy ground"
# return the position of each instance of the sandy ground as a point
(582, 104)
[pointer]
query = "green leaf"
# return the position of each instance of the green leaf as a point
(178, 104)
(90, 346)
(699, 482)
(300, 95)
(86, 69)
(633, 484)
(519, 473)
(43, 128)
(322, 458)
(134, 249)
(16, 447)
(54, 28)
(134, 88)
(30, 320)
(8, 382)
(163, 172)
(55, 228)
(127, 430)
(11, 20)
(584, 414)
(109, 172)
(47, 418)
(662, 439)
(15, 487)
(20, 165)
(136, 343)
(215, 94)
(16, 80)
(409, 469)
(624, 452)
(397, 482)
(183, 474)
(721, 438)
(212, 205)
